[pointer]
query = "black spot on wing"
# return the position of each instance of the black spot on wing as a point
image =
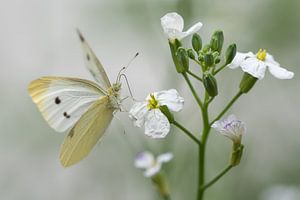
(80, 36)
(57, 100)
(66, 115)
(88, 57)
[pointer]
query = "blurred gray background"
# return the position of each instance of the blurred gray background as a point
(38, 38)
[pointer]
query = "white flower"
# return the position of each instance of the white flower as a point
(256, 65)
(231, 128)
(148, 113)
(172, 23)
(152, 166)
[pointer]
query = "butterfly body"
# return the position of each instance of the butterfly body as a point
(81, 106)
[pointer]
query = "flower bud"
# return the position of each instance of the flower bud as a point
(217, 41)
(236, 154)
(174, 45)
(191, 54)
(183, 60)
(217, 60)
(230, 53)
(165, 110)
(209, 60)
(196, 42)
(247, 82)
(210, 84)
(160, 182)
(206, 48)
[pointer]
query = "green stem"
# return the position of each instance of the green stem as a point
(228, 106)
(199, 102)
(220, 69)
(194, 75)
(222, 173)
(187, 132)
(206, 129)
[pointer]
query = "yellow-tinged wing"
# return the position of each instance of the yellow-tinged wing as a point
(94, 65)
(86, 132)
(62, 101)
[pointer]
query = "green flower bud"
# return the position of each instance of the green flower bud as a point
(210, 84)
(217, 60)
(236, 154)
(209, 60)
(165, 110)
(230, 53)
(191, 54)
(247, 82)
(196, 42)
(206, 48)
(174, 45)
(217, 41)
(183, 60)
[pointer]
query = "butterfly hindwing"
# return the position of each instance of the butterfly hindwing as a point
(94, 65)
(86, 132)
(62, 101)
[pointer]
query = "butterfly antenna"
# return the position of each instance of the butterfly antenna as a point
(127, 83)
(122, 70)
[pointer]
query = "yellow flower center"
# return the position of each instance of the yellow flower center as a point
(152, 102)
(261, 54)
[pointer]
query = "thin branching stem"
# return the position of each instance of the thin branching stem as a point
(187, 132)
(215, 179)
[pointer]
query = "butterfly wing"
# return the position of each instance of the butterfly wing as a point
(86, 132)
(62, 101)
(94, 65)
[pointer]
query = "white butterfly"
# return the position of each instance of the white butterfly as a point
(77, 104)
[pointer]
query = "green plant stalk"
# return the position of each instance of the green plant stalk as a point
(198, 100)
(214, 180)
(187, 132)
(202, 148)
(220, 69)
(194, 75)
(227, 107)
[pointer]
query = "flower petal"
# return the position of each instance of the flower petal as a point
(231, 128)
(166, 157)
(137, 113)
(172, 23)
(279, 72)
(152, 170)
(254, 67)
(170, 98)
(195, 28)
(239, 58)
(156, 124)
(144, 160)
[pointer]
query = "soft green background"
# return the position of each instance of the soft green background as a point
(38, 38)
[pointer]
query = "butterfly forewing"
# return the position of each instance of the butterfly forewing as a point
(94, 65)
(86, 132)
(62, 101)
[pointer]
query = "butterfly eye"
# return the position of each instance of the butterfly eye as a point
(57, 100)
(66, 115)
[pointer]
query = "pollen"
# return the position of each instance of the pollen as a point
(152, 102)
(261, 54)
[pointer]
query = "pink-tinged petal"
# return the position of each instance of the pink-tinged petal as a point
(149, 172)
(144, 160)
(156, 124)
(163, 158)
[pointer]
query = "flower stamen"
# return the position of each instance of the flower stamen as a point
(261, 54)
(152, 102)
